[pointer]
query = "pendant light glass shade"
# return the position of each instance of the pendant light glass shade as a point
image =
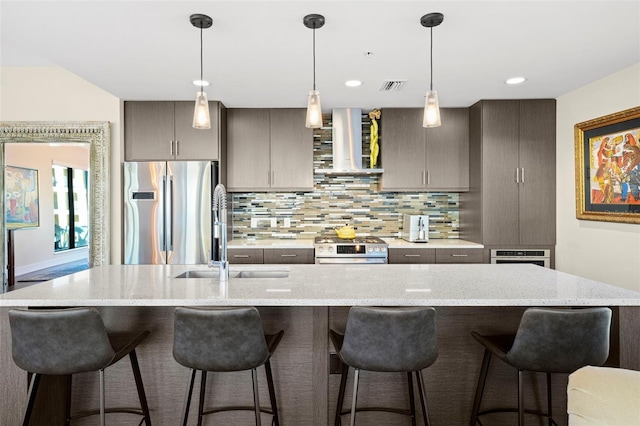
(314, 110)
(431, 110)
(201, 118)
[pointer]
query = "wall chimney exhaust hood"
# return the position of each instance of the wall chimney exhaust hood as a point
(347, 144)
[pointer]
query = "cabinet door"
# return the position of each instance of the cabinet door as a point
(148, 131)
(245, 256)
(459, 255)
(291, 150)
(288, 256)
(500, 135)
(248, 149)
(403, 149)
(195, 144)
(538, 171)
(412, 255)
(448, 152)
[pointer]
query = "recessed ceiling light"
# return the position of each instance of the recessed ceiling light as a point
(203, 83)
(516, 80)
(353, 83)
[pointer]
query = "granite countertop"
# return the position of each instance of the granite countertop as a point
(325, 285)
(308, 243)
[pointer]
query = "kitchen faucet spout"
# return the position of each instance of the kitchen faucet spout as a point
(220, 230)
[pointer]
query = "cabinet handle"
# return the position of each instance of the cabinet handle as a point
(411, 255)
(522, 175)
(428, 177)
(273, 177)
(269, 178)
(241, 256)
(423, 178)
(177, 148)
(171, 147)
(459, 255)
(288, 255)
(517, 175)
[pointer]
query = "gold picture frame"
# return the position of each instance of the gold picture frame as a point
(607, 152)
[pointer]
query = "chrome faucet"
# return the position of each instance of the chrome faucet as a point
(220, 230)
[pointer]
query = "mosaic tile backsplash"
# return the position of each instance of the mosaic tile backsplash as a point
(340, 200)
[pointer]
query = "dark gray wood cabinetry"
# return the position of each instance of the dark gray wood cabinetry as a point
(412, 255)
(245, 255)
(288, 256)
(269, 150)
(435, 255)
(512, 174)
(163, 131)
(419, 159)
(270, 256)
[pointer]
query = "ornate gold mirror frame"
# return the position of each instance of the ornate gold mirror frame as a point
(96, 134)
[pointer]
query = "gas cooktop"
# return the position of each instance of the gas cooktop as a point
(356, 240)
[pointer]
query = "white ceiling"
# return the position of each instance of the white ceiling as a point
(258, 53)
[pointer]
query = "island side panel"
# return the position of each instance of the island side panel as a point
(629, 318)
(13, 381)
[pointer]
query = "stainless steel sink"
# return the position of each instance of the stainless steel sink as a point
(213, 273)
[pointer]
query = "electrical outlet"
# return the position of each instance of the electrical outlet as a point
(287, 222)
(254, 222)
(274, 222)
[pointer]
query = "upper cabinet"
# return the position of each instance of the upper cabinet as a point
(513, 170)
(419, 159)
(163, 131)
(269, 150)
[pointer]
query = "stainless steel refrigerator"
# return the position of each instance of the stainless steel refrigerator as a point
(167, 212)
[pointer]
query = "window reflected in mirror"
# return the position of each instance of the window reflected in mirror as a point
(70, 207)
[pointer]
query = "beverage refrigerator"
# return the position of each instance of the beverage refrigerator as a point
(167, 212)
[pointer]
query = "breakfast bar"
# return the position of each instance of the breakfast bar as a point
(305, 301)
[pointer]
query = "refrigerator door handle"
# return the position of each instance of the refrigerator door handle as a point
(169, 216)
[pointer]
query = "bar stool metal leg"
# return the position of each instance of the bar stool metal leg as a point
(203, 388)
(256, 397)
(272, 394)
(343, 386)
(354, 400)
(412, 402)
(423, 400)
(140, 387)
(482, 379)
(102, 414)
(187, 400)
(520, 400)
(33, 390)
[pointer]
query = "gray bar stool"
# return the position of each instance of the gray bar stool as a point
(387, 340)
(222, 340)
(548, 341)
(70, 341)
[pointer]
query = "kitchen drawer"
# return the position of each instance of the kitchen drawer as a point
(459, 255)
(412, 255)
(244, 255)
(288, 256)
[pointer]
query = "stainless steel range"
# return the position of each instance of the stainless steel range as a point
(353, 250)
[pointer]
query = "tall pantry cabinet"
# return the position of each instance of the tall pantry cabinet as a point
(511, 202)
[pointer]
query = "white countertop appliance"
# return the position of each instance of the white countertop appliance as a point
(350, 250)
(415, 228)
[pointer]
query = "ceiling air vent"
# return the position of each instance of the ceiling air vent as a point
(392, 85)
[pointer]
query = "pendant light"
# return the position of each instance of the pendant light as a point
(314, 110)
(201, 118)
(431, 108)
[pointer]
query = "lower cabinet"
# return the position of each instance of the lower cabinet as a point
(270, 256)
(433, 255)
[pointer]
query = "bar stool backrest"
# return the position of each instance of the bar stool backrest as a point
(219, 339)
(390, 339)
(59, 341)
(561, 340)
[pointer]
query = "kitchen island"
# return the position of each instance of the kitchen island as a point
(306, 303)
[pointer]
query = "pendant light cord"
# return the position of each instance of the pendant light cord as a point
(314, 57)
(201, 67)
(431, 59)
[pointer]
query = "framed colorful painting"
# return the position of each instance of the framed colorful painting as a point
(608, 167)
(21, 198)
